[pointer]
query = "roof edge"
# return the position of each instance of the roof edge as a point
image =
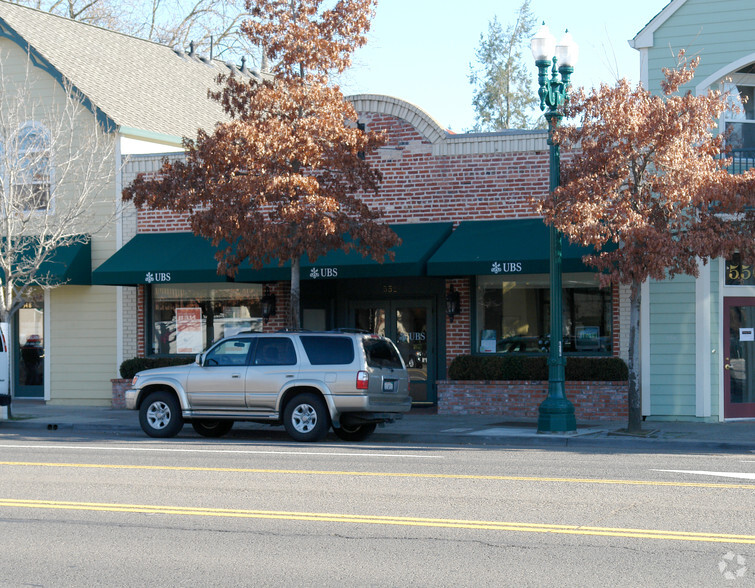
(645, 37)
(152, 137)
(427, 126)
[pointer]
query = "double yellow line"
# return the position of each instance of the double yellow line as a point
(379, 520)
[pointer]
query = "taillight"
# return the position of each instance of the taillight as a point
(363, 380)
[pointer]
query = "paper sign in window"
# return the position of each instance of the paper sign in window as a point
(747, 334)
(189, 330)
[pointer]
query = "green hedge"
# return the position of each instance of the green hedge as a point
(513, 367)
(130, 367)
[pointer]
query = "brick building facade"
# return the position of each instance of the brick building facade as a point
(433, 183)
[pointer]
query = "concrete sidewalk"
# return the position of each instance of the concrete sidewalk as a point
(419, 427)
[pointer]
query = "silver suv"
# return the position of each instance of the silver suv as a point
(308, 381)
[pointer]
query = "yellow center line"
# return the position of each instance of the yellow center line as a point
(381, 520)
(383, 474)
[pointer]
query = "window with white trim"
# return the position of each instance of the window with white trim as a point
(30, 180)
(739, 117)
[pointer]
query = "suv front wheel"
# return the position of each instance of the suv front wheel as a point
(306, 418)
(160, 415)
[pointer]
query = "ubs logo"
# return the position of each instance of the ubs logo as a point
(157, 277)
(506, 267)
(323, 272)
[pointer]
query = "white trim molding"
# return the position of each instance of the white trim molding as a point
(724, 71)
(645, 347)
(702, 341)
(46, 317)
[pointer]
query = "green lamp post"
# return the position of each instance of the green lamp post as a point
(556, 413)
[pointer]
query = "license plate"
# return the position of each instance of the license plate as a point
(388, 386)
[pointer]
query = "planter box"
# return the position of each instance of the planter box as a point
(120, 385)
(592, 400)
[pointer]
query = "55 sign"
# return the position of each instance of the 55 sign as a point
(738, 273)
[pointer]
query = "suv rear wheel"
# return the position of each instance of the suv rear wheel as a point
(160, 415)
(355, 432)
(306, 418)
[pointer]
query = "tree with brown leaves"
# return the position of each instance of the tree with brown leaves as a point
(283, 177)
(647, 186)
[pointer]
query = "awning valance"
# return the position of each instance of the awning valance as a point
(515, 246)
(178, 258)
(418, 242)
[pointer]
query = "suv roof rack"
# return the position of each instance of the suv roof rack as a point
(351, 330)
(290, 330)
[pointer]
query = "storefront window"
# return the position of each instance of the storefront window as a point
(188, 318)
(513, 314)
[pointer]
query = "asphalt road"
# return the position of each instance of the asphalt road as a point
(94, 511)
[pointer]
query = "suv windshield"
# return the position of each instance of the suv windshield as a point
(381, 354)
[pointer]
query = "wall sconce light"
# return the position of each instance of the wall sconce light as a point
(268, 305)
(453, 303)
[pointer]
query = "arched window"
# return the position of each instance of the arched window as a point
(31, 179)
(739, 118)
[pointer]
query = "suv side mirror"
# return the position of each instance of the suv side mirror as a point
(198, 359)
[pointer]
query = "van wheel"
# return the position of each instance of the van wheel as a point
(160, 415)
(212, 427)
(306, 418)
(355, 432)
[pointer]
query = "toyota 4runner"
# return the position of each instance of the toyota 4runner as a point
(307, 381)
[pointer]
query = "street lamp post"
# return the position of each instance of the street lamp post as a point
(556, 413)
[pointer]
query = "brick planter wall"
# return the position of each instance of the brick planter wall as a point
(120, 385)
(592, 400)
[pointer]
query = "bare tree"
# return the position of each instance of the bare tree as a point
(55, 165)
(212, 26)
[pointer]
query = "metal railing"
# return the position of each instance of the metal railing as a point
(741, 160)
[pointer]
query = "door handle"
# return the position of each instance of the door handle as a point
(727, 365)
(235, 375)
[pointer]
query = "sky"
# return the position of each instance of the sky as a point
(420, 50)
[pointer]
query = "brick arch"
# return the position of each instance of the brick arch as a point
(426, 125)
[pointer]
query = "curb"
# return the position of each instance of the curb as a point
(595, 440)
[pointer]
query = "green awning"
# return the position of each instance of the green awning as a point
(178, 258)
(418, 242)
(515, 246)
(69, 264)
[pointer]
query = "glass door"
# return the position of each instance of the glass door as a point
(739, 359)
(29, 346)
(409, 325)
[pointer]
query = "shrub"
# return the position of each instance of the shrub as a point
(522, 367)
(130, 367)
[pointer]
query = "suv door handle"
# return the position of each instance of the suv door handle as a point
(235, 375)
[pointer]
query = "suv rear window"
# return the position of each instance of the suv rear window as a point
(381, 354)
(328, 350)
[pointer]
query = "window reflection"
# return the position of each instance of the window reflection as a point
(188, 318)
(514, 314)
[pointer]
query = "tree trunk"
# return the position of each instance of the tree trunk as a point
(294, 320)
(635, 392)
